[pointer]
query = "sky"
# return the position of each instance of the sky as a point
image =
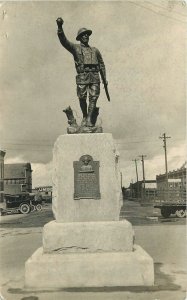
(143, 45)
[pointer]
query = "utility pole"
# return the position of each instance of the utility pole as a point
(143, 171)
(135, 160)
(131, 188)
(121, 177)
(164, 137)
(2, 200)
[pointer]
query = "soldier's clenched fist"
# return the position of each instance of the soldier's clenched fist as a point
(59, 22)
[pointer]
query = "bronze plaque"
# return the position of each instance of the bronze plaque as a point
(86, 178)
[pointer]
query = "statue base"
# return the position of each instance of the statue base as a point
(87, 245)
(84, 129)
(105, 269)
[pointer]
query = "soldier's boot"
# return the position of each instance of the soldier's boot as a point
(83, 106)
(95, 115)
(91, 108)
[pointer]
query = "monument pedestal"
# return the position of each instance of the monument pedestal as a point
(133, 268)
(81, 237)
(87, 245)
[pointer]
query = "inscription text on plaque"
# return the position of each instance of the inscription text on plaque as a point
(86, 178)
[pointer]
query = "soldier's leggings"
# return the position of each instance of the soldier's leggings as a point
(92, 89)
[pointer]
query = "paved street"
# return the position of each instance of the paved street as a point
(163, 239)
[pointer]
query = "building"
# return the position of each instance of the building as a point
(2, 155)
(176, 189)
(45, 192)
(17, 178)
(137, 190)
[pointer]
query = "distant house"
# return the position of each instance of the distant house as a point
(45, 192)
(17, 178)
(138, 191)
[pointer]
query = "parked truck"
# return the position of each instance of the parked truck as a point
(171, 193)
(171, 202)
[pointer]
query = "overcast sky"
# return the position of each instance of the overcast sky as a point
(143, 47)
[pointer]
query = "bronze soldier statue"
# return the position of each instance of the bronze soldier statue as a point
(88, 64)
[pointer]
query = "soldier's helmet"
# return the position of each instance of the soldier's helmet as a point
(82, 31)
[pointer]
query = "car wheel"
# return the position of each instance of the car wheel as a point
(25, 208)
(39, 207)
(181, 213)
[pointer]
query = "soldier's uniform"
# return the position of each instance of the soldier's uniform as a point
(88, 62)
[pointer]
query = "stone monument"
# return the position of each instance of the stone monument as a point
(87, 245)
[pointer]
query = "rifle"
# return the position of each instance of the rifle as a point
(105, 84)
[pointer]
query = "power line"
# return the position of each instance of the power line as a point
(31, 143)
(40, 150)
(158, 13)
(24, 139)
(47, 147)
(146, 141)
(162, 7)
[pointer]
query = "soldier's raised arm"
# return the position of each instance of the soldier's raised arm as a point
(63, 40)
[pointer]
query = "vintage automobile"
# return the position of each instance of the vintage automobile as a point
(23, 203)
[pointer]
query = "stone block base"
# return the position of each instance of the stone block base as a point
(88, 237)
(83, 196)
(67, 270)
